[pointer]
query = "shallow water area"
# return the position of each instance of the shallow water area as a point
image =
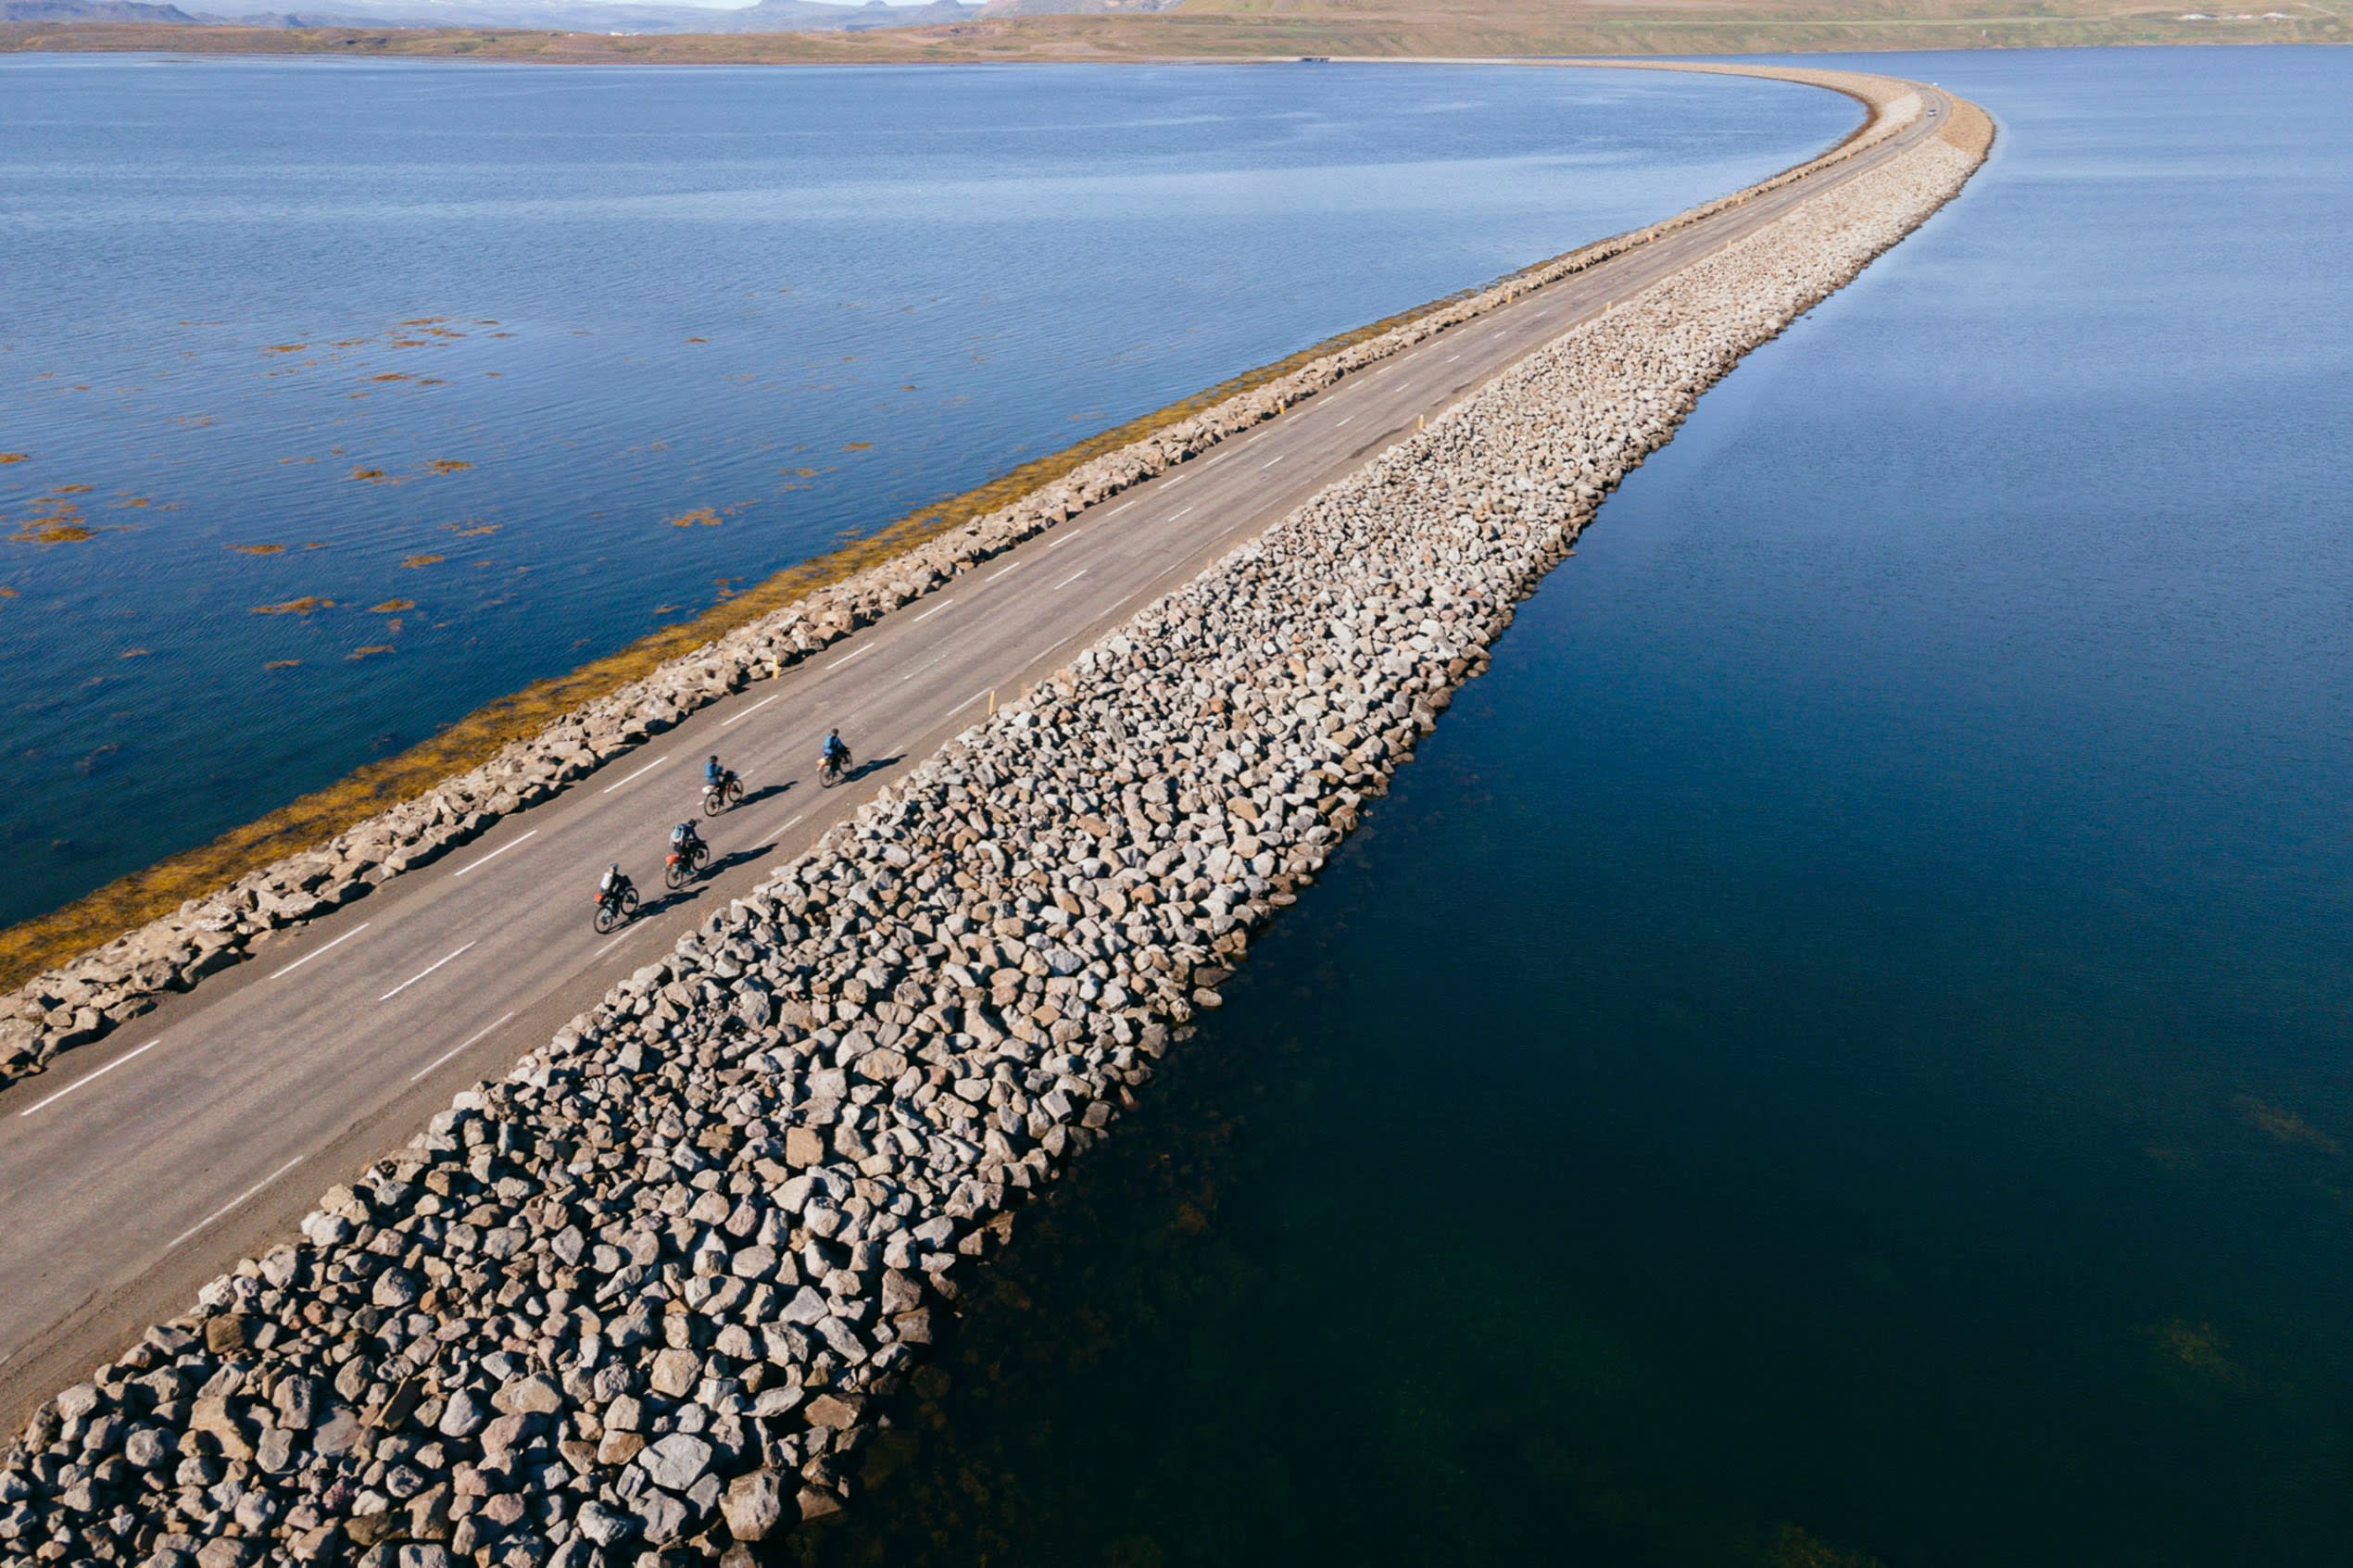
(352, 396)
(1835, 1052)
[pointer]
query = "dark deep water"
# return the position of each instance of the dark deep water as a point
(430, 357)
(1838, 1048)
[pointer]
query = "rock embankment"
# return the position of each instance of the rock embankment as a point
(85, 999)
(645, 1299)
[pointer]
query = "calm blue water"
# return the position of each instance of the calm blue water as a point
(252, 310)
(1841, 1049)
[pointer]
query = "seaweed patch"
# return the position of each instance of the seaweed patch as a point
(53, 533)
(2283, 1125)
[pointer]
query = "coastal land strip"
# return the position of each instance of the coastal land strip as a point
(157, 1156)
(79, 971)
(657, 1289)
(1289, 29)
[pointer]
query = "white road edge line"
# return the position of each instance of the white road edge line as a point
(487, 858)
(1121, 508)
(1180, 512)
(337, 943)
(100, 1073)
(233, 1202)
(970, 700)
(453, 1050)
(1003, 569)
(1271, 461)
(936, 609)
(1069, 580)
(614, 943)
(1343, 421)
(638, 774)
(782, 831)
(749, 712)
(848, 657)
(421, 975)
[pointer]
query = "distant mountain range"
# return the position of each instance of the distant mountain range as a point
(549, 16)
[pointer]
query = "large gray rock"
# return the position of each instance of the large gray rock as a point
(677, 1461)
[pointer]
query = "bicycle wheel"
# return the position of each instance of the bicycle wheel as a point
(606, 917)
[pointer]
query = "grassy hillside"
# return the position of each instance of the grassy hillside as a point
(1244, 27)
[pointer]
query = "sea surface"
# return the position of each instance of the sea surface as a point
(353, 396)
(1840, 1050)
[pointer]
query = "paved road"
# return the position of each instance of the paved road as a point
(146, 1164)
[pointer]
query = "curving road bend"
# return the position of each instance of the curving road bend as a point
(145, 1166)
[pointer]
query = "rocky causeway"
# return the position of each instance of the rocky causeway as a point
(648, 1296)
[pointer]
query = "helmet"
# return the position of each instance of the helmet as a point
(614, 868)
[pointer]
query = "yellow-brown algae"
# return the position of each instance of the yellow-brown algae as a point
(392, 607)
(54, 533)
(424, 560)
(259, 549)
(303, 606)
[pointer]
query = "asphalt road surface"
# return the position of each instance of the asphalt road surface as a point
(143, 1166)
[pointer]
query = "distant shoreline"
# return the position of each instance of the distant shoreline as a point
(1636, 32)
